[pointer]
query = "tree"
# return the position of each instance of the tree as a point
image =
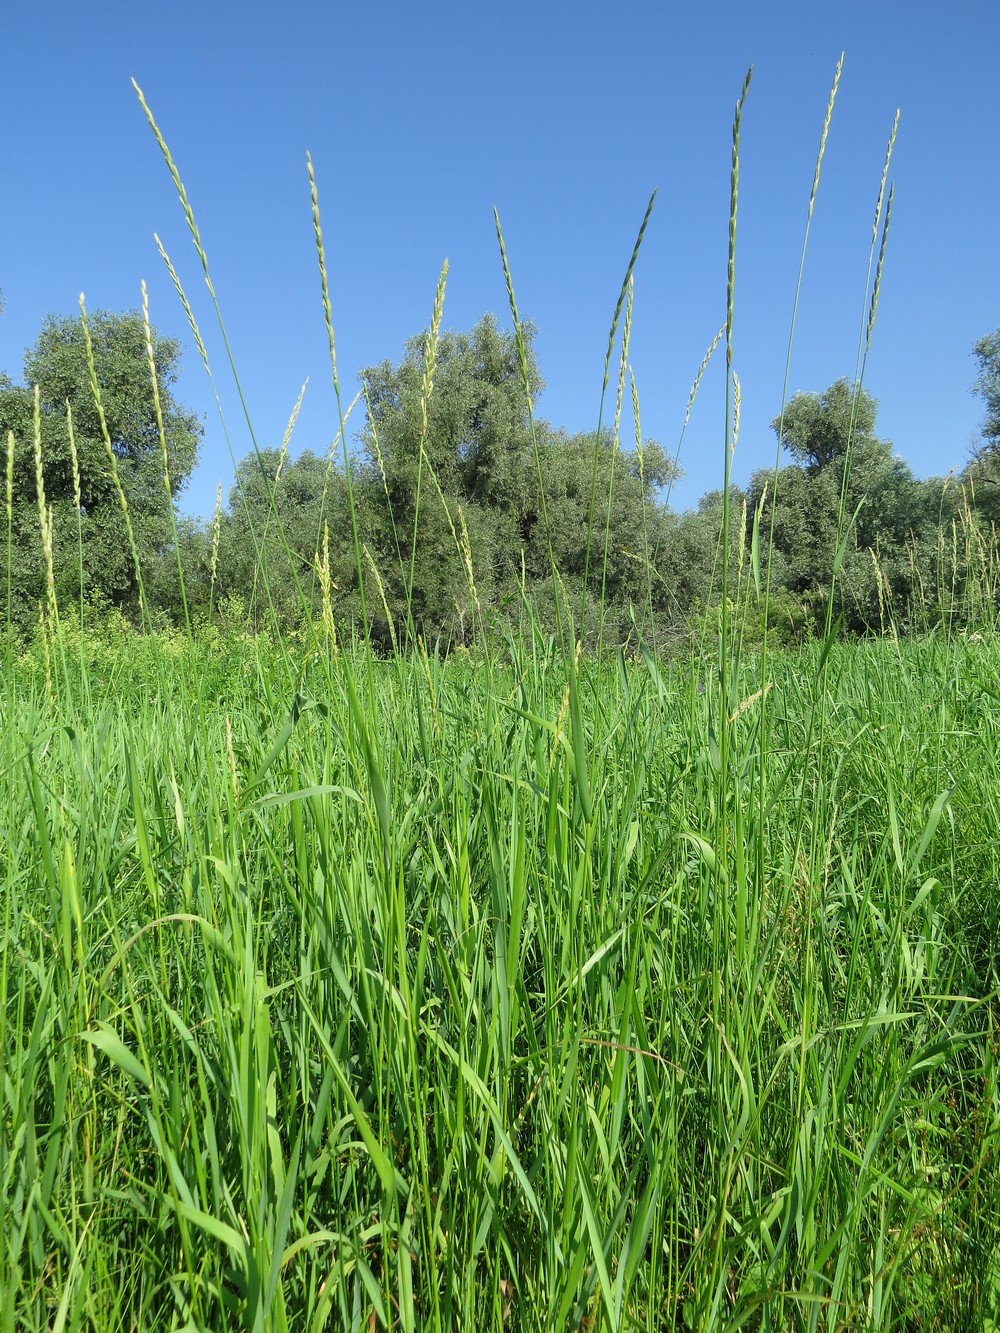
(57, 364)
(480, 486)
(480, 474)
(817, 428)
(827, 433)
(983, 469)
(309, 497)
(987, 385)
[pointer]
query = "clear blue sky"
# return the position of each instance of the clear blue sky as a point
(421, 117)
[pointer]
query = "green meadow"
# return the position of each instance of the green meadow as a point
(553, 980)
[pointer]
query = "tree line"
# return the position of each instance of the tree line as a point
(460, 503)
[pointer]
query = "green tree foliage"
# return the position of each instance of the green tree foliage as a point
(280, 514)
(476, 467)
(987, 353)
(57, 364)
(983, 470)
(883, 510)
(479, 484)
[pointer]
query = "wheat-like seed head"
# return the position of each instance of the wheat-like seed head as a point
(885, 176)
(466, 549)
(623, 367)
(44, 511)
(324, 284)
(374, 430)
(625, 284)
(74, 460)
(698, 377)
(155, 383)
(192, 322)
(878, 268)
(95, 389)
(231, 758)
(10, 476)
(326, 585)
(522, 351)
(381, 592)
(823, 136)
(734, 194)
(737, 402)
(178, 186)
(216, 527)
(431, 349)
(331, 455)
(638, 428)
(425, 663)
(286, 438)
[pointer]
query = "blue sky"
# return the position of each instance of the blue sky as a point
(565, 116)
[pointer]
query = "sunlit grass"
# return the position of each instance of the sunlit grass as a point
(275, 1056)
(520, 988)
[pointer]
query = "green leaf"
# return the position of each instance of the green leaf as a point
(108, 1041)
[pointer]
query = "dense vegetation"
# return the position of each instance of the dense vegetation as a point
(454, 891)
(482, 465)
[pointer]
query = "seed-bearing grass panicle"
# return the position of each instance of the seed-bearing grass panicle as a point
(878, 249)
(381, 592)
(688, 409)
(619, 397)
(699, 376)
(324, 282)
(95, 389)
(876, 285)
(154, 381)
(10, 540)
(286, 439)
(879, 589)
(429, 677)
(639, 452)
(737, 403)
(466, 550)
(431, 350)
(426, 389)
(348, 475)
(44, 513)
(623, 296)
(326, 585)
(623, 366)
(373, 427)
(641, 457)
(179, 187)
(282, 455)
(185, 303)
(529, 390)
(74, 458)
(78, 506)
(234, 778)
(734, 194)
(216, 529)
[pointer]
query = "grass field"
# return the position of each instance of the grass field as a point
(516, 988)
(413, 994)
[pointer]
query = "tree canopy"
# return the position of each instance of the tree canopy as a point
(85, 505)
(449, 510)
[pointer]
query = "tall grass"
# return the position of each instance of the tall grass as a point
(517, 988)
